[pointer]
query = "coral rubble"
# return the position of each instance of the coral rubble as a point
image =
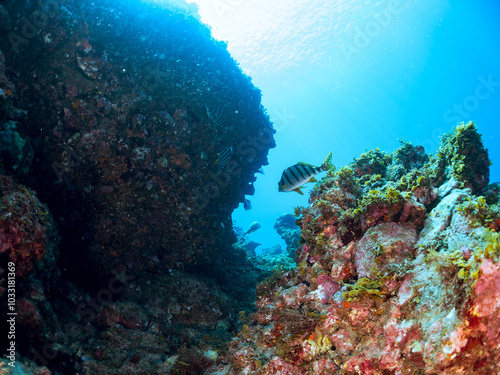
(398, 273)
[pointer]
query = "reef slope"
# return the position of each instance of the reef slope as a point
(398, 271)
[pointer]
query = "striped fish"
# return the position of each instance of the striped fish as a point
(224, 156)
(217, 115)
(297, 175)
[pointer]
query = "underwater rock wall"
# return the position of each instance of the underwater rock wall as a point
(398, 273)
(127, 107)
(114, 206)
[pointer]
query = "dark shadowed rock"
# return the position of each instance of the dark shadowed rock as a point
(104, 114)
(125, 147)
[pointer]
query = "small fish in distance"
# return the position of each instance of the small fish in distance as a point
(293, 178)
(253, 227)
(224, 156)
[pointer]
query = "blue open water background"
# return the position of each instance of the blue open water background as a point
(349, 76)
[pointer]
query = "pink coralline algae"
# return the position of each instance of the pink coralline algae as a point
(388, 244)
(409, 286)
(327, 287)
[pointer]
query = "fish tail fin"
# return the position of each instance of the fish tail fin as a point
(327, 164)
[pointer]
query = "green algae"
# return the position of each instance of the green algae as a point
(462, 150)
(364, 287)
(371, 162)
(469, 269)
(318, 345)
(410, 156)
(469, 258)
(480, 212)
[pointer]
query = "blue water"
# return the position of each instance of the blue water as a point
(349, 76)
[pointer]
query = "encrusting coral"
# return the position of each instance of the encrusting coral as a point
(398, 272)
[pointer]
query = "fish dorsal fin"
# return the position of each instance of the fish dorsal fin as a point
(309, 165)
(299, 191)
(312, 179)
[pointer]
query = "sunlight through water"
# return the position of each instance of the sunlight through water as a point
(349, 76)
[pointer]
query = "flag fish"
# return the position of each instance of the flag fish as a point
(224, 156)
(297, 175)
(217, 115)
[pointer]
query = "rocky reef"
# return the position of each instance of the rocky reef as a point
(271, 258)
(275, 257)
(121, 109)
(286, 227)
(244, 243)
(398, 272)
(28, 236)
(116, 231)
(115, 208)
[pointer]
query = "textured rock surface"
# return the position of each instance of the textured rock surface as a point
(388, 245)
(27, 231)
(396, 276)
(119, 117)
